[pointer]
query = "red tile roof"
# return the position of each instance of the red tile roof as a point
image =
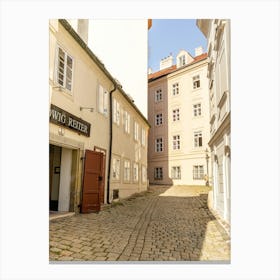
(173, 68)
(162, 72)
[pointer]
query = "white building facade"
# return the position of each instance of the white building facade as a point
(178, 111)
(217, 32)
(88, 127)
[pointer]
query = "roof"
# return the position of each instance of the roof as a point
(173, 68)
(95, 59)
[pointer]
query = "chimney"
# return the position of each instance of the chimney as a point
(166, 62)
(82, 29)
(198, 51)
(150, 70)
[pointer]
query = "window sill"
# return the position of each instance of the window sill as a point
(67, 93)
(115, 180)
(197, 117)
(196, 89)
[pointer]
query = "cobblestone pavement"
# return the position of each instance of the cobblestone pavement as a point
(162, 224)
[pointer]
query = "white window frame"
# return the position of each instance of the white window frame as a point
(143, 138)
(135, 172)
(102, 100)
(158, 95)
(176, 172)
(116, 112)
(196, 81)
(116, 166)
(144, 174)
(197, 110)
(136, 131)
(159, 145)
(158, 173)
(176, 114)
(182, 60)
(198, 172)
(176, 141)
(126, 170)
(158, 119)
(175, 89)
(126, 121)
(198, 139)
(64, 82)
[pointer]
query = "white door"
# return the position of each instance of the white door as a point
(65, 180)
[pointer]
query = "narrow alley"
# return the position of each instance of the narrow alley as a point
(162, 224)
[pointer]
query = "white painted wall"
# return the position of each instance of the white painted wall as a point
(65, 180)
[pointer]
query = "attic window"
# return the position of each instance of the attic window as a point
(196, 82)
(182, 60)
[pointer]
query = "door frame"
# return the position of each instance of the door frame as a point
(104, 152)
(89, 189)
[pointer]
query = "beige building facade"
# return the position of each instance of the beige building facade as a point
(83, 110)
(178, 111)
(217, 32)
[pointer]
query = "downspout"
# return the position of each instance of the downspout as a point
(110, 142)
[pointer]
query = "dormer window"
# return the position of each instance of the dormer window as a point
(182, 60)
(196, 82)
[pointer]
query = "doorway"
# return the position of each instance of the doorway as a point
(60, 163)
(54, 175)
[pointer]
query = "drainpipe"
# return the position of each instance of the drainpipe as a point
(110, 142)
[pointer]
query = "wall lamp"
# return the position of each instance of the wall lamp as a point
(87, 108)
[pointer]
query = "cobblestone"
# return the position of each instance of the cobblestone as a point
(162, 224)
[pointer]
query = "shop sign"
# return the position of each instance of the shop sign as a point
(63, 118)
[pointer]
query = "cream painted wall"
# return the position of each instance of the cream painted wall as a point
(65, 180)
(126, 147)
(188, 155)
(86, 79)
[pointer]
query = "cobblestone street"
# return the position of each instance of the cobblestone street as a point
(162, 224)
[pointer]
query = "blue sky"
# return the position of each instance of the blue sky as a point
(170, 36)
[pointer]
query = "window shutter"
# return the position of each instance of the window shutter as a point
(105, 105)
(100, 99)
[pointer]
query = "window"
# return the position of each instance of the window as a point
(198, 172)
(158, 175)
(196, 82)
(159, 145)
(103, 101)
(198, 139)
(126, 174)
(158, 95)
(197, 110)
(136, 131)
(176, 142)
(182, 60)
(64, 69)
(116, 112)
(144, 174)
(143, 142)
(126, 122)
(158, 119)
(176, 172)
(175, 88)
(135, 172)
(116, 168)
(176, 115)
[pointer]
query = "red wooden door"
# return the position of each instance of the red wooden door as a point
(92, 182)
